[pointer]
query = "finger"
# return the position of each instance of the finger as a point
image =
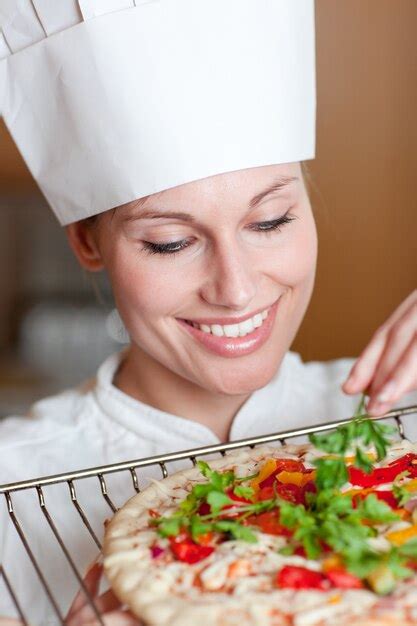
(364, 367)
(92, 582)
(107, 602)
(400, 336)
(403, 380)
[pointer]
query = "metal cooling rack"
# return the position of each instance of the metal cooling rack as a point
(70, 481)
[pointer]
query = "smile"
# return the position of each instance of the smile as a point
(233, 340)
(233, 330)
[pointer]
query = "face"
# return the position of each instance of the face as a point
(191, 265)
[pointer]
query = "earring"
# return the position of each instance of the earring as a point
(115, 327)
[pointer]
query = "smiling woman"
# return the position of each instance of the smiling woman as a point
(193, 201)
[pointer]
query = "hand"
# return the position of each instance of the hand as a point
(81, 614)
(9, 621)
(387, 368)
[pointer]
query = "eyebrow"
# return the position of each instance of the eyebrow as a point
(277, 185)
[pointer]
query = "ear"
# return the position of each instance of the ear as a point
(82, 238)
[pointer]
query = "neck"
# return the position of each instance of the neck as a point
(149, 381)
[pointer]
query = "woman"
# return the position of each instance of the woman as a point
(211, 249)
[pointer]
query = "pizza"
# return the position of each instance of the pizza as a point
(307, 535)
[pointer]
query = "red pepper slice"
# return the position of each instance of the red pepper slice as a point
(381, 475)
(190, 552)
(388, 497)
(266, 493)
(294, 577)
(344, 580)
(269, 523)
(290, 492)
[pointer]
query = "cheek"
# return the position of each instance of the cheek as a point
(142, 288)
(296, 257)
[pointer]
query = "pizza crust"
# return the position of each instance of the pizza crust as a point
(165, 596)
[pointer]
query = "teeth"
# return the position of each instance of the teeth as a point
(217, 330)
(234, 330)
(257, 320)
(231, 330)
(246, 327)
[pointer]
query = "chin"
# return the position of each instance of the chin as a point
(235, 382)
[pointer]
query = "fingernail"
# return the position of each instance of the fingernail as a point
(386, 393)
(349, 383)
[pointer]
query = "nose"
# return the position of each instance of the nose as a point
(230, 279)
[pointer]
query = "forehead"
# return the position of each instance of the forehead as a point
(246, 187)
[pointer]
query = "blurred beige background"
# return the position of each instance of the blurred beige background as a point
(365, 199)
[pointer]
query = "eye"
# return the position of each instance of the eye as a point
(172, 247)
(272, 225)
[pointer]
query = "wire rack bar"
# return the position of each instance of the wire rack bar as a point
(68, 556)
(73, 495)
(106, 496)
(134, 479)
(13, 596)
(33, 559)
(202, 451)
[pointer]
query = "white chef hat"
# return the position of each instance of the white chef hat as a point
(113, 100)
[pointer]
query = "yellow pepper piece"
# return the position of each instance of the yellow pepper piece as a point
(355, 492)
(266, 470)
(332, 562)
(399, 537)
(295, 478)
(334, 599)
(411, 485)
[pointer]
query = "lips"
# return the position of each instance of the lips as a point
(233, 346)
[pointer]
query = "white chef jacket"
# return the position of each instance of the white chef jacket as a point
(97, 424)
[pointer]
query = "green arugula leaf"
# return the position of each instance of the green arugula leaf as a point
(362, 461)
(397, 564)
(370, 508)
(205, 469)
(333, 442)
(331, 473)
(169, 526)
(238, 531)
(244, 492)
(217, 500)
(409, 549)
(199, 527)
